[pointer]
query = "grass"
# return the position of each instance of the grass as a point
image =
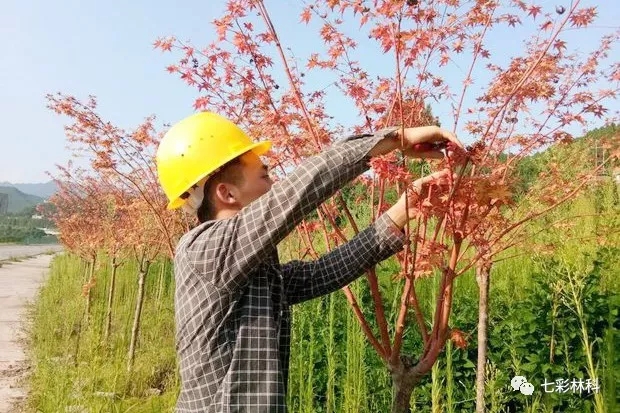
(14, 259)
(333, 369)
(75, 368)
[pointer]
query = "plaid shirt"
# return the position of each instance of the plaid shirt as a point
(232, 295)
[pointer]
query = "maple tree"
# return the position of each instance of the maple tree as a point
(529, 104)
(124, 157)
(116, 223)
(77, 210)
(121, 204)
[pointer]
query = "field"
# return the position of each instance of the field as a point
(553, 317)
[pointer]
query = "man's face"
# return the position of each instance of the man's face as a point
(256, 180)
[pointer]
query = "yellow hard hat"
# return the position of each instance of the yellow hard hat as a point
(196, 147)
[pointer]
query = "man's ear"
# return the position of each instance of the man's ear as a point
(227, 194)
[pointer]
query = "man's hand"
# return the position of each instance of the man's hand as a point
(426, 141)
(420, 142)
(404, 208)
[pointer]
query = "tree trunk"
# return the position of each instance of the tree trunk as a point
(404, 380)
(160, 288)
(89, 268)
(402, 397)
(483, 272)
(108, 315)
(144, 269)
(89, 280)
(85, 293)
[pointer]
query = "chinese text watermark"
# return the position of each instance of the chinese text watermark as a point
(561, 385)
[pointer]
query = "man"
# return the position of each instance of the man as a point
(232, 294)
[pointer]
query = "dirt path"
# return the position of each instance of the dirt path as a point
(8, 251)
(19, 284)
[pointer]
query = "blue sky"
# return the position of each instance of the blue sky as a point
(105, 49)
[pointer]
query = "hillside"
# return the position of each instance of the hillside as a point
(17, 200)
(43, 190)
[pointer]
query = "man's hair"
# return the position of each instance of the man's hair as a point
(230, 173)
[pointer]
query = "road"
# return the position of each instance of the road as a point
(19, 285)
(8, 251)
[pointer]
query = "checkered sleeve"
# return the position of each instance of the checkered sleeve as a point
(304, 280)
(240, 243)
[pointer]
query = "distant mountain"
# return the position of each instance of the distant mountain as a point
(17, 200)
(43, 190)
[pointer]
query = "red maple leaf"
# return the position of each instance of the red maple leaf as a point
(534, 11)
(458, 46)
(559, 45)
(616, 73)
(583, 17)
(459, 338)
(305, 15)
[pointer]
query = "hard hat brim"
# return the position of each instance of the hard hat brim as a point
(259, 148)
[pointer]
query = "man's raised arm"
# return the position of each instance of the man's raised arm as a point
(240, 243)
